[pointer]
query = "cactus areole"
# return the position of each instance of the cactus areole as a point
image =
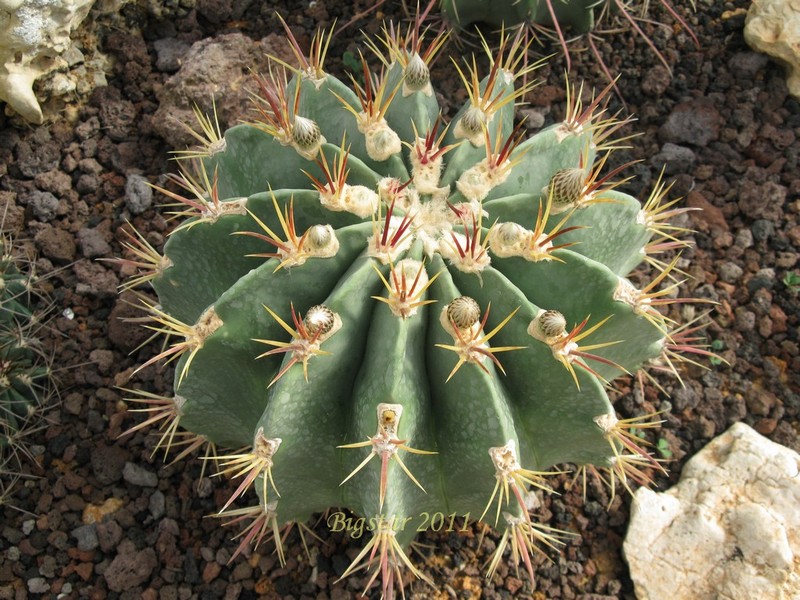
(401, 317)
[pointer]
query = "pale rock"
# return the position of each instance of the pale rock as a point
(773, 27)
(730, 529)
(33, 34)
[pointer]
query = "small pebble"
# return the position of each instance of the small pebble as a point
(157, 504)
(138, 194)
(730, 272)
(136, 475)
(38, 585)
(170, 53)
(86, 536)
(44, 205)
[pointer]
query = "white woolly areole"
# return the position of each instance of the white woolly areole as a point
(388, 419)
(566, 130)
(505, 459)
(381, 140)
(214, 210)
(606, 422)
(409, 268)
(538, 249)
(265, 447)
(402, 301)
(477, 181)
(432, 222)
(359, 200)
(427, 176)
(628, 293)
(467, 211)
(404, 199)
(428, 173)
(467, 263)
(387, 254)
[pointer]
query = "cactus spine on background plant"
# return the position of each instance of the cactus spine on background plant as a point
(25, 383)
(403, 317)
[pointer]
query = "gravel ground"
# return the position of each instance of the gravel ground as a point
(97, 517)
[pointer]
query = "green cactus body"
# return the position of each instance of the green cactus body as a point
(579, 15)
(315, 297)
(23, 372)
(566, 21)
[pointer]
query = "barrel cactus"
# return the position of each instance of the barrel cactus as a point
(25, 376)
(412, 321)
(578, 15)
(562, 20)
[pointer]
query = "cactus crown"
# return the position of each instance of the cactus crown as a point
(354, 279)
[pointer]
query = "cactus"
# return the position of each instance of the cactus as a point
(25, 377)
(405, 318)
(579, 15)
(556, 18)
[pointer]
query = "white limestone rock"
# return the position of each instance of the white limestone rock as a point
(730, 529)
(773, 27)
(33, 34)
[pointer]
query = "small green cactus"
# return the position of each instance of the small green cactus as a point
(578, 15)
(25, 382)
(557, 19)
(404, 318)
